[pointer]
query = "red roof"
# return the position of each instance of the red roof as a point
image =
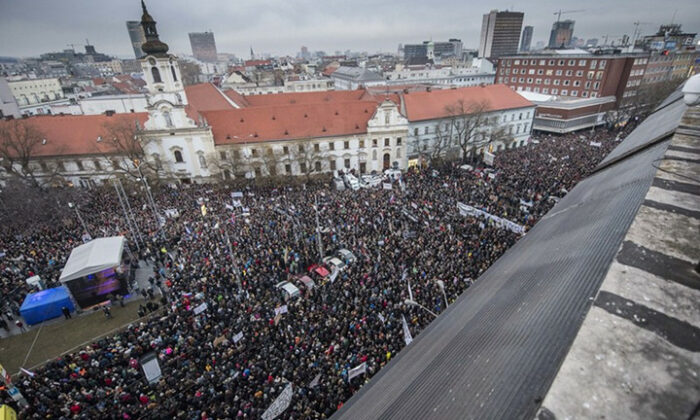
(432, 105)
(253, 63)
(326, 97)
(236, 97)
(75, 134)
(258, 124)
(125, 87)
(206, 97)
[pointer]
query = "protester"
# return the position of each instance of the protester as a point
(236, 355)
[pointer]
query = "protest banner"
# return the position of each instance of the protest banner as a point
(357, 370)
(407, 338)
(279, 404)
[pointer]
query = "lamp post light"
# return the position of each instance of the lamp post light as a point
(410, 302)
(441, 284)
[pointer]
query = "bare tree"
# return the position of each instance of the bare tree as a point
(445, 132)
(19, 145)
(234, 161)
(189, 72)
(122, 145)
(470, 125)
(308, 155)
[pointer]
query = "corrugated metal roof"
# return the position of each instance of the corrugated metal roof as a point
(495, 352)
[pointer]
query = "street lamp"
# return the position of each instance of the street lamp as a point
(80, 218)
(410, 302)
(441, 284)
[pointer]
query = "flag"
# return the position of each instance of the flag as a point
(381, 317)
(204, 210)
(314, 382)
(407, 338)
(410, 292)
(357, 370)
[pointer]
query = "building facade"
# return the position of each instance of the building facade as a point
(203, 46)
(526, 39)
(136, 36)
(576, 75)
(500, 33)
(35, 91)
(562, 33)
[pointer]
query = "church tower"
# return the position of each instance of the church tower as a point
(166, 93)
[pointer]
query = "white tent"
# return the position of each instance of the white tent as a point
(92, 257)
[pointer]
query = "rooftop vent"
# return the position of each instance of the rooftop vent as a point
(273, 117)
(306, 116)
(43, 141)
(228, 137)
(324, 129)
(99, 139)
(286, 133)
(255, 135)
(336, 112)
(242, 120)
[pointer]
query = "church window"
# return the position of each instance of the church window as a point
(202, 161)
(172, 69)
(178, 156)
(156, 75)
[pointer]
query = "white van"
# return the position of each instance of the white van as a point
(289, 291)
(351, 182)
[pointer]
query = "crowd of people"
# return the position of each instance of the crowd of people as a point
(235, 357)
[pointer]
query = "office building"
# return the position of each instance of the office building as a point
(562, 33)
(500, 33)
(526, 39)
(136, 36)
(203, 46)
(432, 50)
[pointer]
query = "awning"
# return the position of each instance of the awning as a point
(93, 257)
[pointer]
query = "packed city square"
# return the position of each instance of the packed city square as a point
(412, 249)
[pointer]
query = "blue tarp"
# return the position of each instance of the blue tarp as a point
(46, 304)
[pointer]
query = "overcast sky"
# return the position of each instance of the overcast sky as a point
(31, 27)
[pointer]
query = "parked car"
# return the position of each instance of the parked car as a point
(288, 290)
(347, 256)
(334, 262)
(393, 174)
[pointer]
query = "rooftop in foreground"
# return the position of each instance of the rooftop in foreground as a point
(593, 313)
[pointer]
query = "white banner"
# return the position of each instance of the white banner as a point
(237, 194)
(407, 338)
(386, 185)
(381, 318)
(466, 210)
(357, 370)
(279, 404)
(238, 337)
(314, 382)
(281, 310)
(201, 308)
(596, 144)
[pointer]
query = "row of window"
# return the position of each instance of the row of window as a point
(581, 63)
(555, 91)
(555, 82)
(316, 147)
(569, 73)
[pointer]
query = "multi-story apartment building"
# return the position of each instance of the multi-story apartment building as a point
(500, 33)
(35, 91)
(573, 73)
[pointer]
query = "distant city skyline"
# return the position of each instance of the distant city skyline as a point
(29, 28)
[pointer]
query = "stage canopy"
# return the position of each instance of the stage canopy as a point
(92, 257)
(46, 304)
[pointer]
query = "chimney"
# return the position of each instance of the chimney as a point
(109, 112)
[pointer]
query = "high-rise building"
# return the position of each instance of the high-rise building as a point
(500, 33)
(136, 36)
(526, 39)
(433, 50)
(562, 33)
(203, 46)
(305, 53)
